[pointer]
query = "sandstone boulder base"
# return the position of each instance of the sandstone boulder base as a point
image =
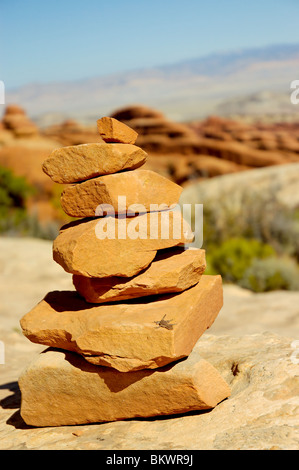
(112, 130)
(109, 246)
(137, 191)
(139, 334)
(61, 388)
(174, 270)
(81, 162)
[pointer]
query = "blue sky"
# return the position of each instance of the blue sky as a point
(64, 40)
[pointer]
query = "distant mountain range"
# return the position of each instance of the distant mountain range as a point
(245, 82)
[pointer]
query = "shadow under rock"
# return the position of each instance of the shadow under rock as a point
(12, 401)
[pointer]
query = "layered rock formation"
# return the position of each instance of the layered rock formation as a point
(23, 149)
(184, 153)
(213, 147)
(16, 120)
(71, 132)
(120, 352)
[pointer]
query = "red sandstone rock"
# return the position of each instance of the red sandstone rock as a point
(112, 130)
(171, 271)
(81, 162)
(109, 246)
(137, 111)
(61, 388)
(144, 334)
(138, 187)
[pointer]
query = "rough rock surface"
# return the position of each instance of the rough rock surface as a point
(278, 182)
(61, 388)
(129, 335)
(262, 412)
(172, 270)
(81, 162)
(112, 130)
(83, 247)
(138, 187)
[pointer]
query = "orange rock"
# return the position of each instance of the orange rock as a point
(109, 246)
(136, 111)
(14, 109)
(239, 153)
(20, 124)
(112, 130)
(143, 187)
(60, 388)
(160, 127)
(171, 271)
(148, 333)
(81, 162)
(70, 133)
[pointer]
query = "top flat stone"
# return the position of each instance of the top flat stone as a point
(112, 130)
(81, 162)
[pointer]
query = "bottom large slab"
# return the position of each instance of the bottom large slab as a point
(61, 388)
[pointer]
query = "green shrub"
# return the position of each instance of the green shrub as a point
(255, 216)
(14, 191)
(233, 257)
(270, 274)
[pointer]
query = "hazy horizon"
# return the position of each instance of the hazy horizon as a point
(64, 41)
(217, 54)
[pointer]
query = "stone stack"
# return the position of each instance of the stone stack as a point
(121, 343)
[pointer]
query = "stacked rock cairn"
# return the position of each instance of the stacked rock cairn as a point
(121, 344)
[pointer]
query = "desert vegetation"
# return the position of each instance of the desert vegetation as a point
(257, 247)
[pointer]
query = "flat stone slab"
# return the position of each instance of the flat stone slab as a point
(61, 388)
(173, 270)
(81, 162)
(109, 246)
(112, 130)
(138, 334)
(136, 191)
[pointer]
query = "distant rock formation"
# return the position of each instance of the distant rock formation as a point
(209, 148)
(71, 132)
(183, 152)
(16, 120)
